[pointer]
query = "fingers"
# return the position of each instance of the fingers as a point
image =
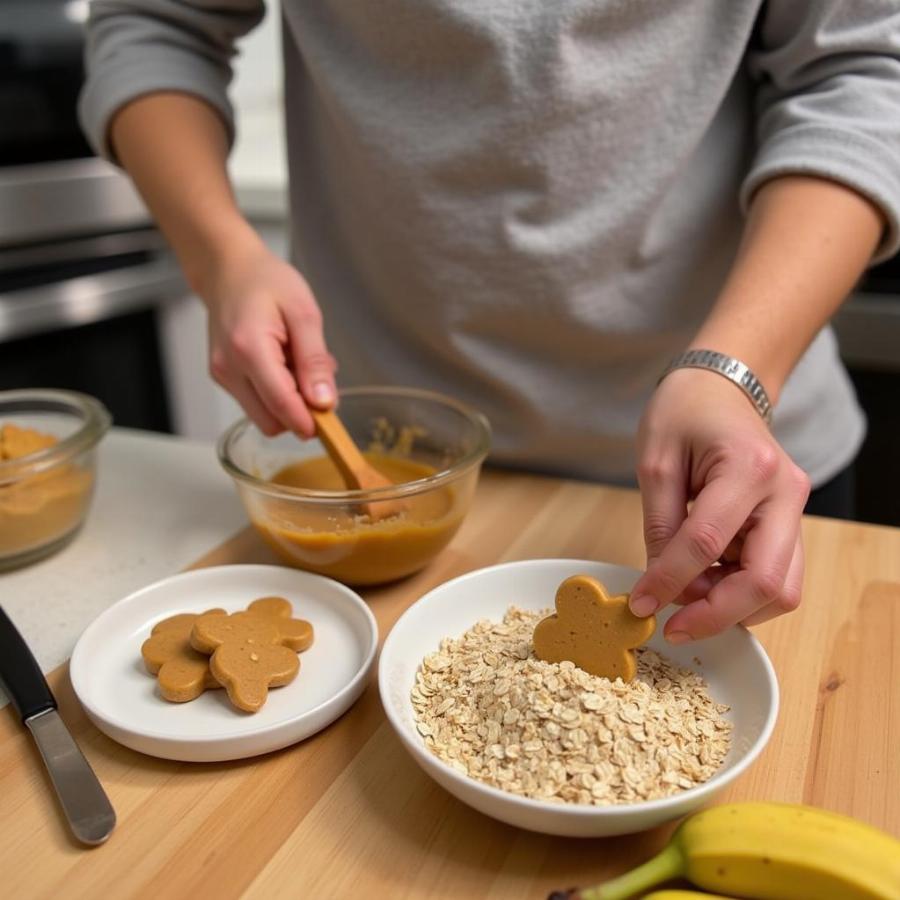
(314, 366)
(277, 387)
(700, 587)
(790, 595)
(664, 504)
(246, 395)
(267, 343)
(734, 553)
(768, 578)
(721, 508)
(254, 371)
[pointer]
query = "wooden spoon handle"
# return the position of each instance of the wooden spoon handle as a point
(343, 452)
(358, 473)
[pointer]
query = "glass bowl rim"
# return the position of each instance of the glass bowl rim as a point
(95, 422)
(473, 457)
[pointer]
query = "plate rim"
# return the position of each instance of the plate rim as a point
(671, 803)
(76, 666)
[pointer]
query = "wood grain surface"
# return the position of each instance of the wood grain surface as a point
(347, 814)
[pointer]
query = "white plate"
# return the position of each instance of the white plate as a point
(121, 698)
(734, 664)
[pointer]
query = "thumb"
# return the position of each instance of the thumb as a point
(314, 366)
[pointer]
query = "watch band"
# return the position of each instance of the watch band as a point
(730, 368)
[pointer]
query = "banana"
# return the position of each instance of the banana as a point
(770, 851)
(684, 895)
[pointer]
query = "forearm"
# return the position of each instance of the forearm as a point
(806, 242)
(174, 146)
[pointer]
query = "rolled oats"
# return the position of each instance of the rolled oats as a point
(487, 706)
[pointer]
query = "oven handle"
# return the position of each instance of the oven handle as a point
(89, 298)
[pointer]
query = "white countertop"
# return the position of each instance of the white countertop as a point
(161, 503)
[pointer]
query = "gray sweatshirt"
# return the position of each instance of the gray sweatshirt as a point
(531, 205)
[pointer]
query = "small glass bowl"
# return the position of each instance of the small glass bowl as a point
(325, 531)
(45, 495)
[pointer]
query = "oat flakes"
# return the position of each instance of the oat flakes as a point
(488, 707)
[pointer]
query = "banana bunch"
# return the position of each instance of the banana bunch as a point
(768, 851)
(684, 895)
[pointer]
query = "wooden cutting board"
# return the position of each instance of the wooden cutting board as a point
(349, 814)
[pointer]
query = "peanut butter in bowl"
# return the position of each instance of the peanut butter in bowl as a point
(351, 547)
(48, 441)
(38, 508)
(429, 447)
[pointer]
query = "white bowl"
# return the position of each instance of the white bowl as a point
(734, 664)
(122, 700)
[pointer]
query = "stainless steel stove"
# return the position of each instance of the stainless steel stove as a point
(83, 272)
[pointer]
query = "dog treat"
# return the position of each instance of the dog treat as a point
(593, 630)
(253, 650)
(181, 672)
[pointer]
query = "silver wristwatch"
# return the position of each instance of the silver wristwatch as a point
(732, 369)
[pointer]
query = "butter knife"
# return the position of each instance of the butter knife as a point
(87, 808)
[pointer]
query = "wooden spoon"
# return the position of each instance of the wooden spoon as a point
(358, 473)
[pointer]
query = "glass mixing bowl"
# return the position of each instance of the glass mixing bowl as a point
(433, 447)
(45, 494)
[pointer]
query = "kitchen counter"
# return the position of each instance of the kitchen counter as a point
(161, 502)
(348, 813)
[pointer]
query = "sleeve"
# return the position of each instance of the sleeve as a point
(136, 47)
(828, 99)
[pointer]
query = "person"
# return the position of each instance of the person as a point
(534, 207)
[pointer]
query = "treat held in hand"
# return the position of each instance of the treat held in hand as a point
(590, 628)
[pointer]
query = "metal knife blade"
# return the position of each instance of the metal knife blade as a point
(83, 800)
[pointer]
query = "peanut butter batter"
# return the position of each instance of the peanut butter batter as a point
(38, 509)
(349, 547)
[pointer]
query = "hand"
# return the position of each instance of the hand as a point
(267, 348)
(737, 556)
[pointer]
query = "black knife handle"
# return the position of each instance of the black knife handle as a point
(20, 675)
